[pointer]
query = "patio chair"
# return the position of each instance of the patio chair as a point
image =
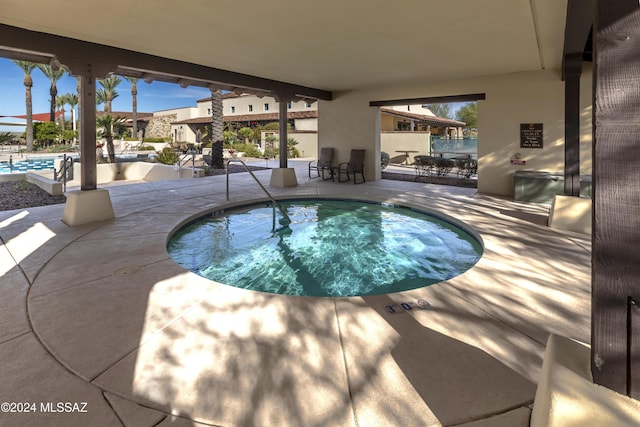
(443, 166)
(424, 165)
(323, 163)
(355, 165)
(466, 167)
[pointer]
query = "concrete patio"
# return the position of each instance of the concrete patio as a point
(100, 314)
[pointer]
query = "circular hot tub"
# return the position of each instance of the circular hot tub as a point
(331, 248)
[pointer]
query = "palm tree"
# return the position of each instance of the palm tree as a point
(108, 91)
(73, 100)
(79, 91)
(101, 98)
(61, 101)
(134, 105)
(217, 128)
(28, 67)
(108, 127)
(53, 76)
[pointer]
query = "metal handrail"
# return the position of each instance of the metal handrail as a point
(189, 156)
(61, 175)
(274, 201)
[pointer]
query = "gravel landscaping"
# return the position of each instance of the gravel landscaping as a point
(23, 194)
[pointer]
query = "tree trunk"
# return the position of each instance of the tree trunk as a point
(79, 123)
(134, 112)
(29, 118)
(111, 152)
(53, 92)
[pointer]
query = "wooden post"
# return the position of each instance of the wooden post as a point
(88, 175)
(572, 72)
(283, 98)
(615, 361)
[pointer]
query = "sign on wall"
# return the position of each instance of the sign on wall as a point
(530, 135)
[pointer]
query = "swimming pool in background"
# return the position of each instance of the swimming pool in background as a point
(28, 165)
(331, 248)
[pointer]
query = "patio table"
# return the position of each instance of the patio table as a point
(406, 154)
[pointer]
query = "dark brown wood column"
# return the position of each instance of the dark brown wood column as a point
(615, 347)
(572, 71)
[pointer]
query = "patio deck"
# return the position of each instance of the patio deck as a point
(100, 314)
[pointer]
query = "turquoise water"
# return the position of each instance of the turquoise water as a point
(331, 248)
(37, 164)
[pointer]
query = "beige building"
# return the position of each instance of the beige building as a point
(407, 127)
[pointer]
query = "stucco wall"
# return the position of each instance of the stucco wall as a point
(307, 142)
(306, 124)
(393, 142)
(241, 104)
(533, 97)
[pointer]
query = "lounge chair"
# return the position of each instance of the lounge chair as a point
(355, 165)
(323, 163)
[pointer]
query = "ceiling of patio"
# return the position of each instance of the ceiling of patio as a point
(329, 44)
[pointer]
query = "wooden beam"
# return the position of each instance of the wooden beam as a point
(429, 100)
(577, 28)
(75, 54)
(615, 359)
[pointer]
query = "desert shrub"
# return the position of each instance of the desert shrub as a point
(249, 150)
(384, 160)
(163, 139)
(58, 148)
(167, 156)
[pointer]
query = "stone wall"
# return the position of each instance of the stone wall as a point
(160, 126)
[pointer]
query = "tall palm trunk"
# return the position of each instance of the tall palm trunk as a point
(28, 83)
(53, 92)
(217, 127)
(28, 67)
(134, 105)
(79, 90)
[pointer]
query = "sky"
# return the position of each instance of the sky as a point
(155, 96)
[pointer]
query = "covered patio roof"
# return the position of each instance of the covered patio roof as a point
(475, 39)
(316, 49)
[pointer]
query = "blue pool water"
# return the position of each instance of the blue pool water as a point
(35, 164)
(331, 248)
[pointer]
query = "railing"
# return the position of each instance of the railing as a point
(66, 169)
(191, 156)
(273, 201)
